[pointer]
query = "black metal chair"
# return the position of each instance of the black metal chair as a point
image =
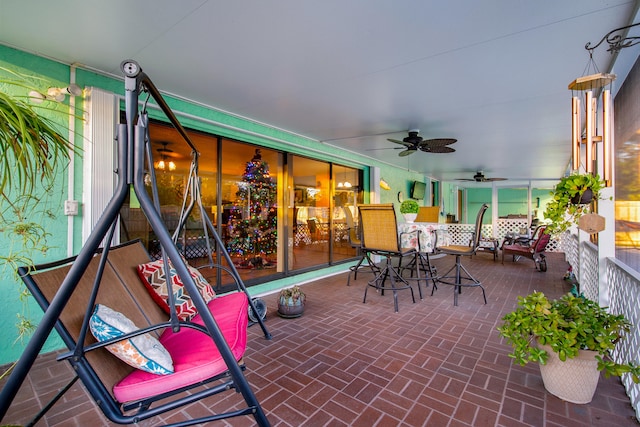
(353, 234)
(461, 276)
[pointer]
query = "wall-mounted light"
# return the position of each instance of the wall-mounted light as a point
(384, 185)
(55, 93)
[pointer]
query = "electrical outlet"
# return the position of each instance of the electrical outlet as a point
(71, 207)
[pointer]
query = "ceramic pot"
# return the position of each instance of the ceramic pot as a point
(574, 380)
(289, 308)
(410, 217)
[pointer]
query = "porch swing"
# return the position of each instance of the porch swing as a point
(205, 350)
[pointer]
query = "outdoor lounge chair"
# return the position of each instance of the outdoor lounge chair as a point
(532, 249)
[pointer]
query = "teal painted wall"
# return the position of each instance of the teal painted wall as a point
(475, 199)
(45, 74)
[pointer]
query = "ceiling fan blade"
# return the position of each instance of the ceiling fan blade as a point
(436, 149)
(406, 144)
(406, 152)
(438, 142)
(495, 179)
(464, 179)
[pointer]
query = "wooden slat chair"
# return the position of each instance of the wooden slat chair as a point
(380, 237)
(127, 395)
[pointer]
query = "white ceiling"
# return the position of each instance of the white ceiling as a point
(352, 73)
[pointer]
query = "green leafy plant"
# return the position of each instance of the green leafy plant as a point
(409, 206)
(564, 209)
(292, 295)
(33, 150)
(568, 324)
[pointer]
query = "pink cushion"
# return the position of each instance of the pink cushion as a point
(518, 248)
(195, 356)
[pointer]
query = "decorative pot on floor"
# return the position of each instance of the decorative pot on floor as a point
(574, 338)
(574, 380)
(291, 302)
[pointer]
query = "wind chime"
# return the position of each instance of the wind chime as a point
(596, 98)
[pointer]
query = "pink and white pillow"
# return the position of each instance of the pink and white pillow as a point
(152, 275)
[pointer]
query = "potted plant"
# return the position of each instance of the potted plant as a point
(571, 199)
(409, 209)
(571, 338)
(291, 302)
(33, 149)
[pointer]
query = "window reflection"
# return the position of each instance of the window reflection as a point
(242, 193)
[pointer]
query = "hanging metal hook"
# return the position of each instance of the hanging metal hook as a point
(616, 42)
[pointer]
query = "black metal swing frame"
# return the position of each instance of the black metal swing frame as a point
(133, 149)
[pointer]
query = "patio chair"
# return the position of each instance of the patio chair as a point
(428, 214)
(461, 276)
(353, 233)
(380, 237)
(533, 249)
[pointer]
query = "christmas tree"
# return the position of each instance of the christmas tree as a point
(252, 231)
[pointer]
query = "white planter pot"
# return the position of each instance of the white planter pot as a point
(410, 217)
(574, 380)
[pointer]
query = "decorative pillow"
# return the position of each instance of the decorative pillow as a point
(142, 352)
(152, 275)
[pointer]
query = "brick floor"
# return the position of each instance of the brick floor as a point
(345, 363)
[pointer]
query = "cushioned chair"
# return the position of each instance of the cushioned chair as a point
(458, 276)
(353, 233)
(532, 249)
(380, 237)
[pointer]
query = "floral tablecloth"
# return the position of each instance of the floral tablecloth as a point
(427, 235)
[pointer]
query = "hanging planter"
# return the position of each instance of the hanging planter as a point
(584, 198)
(572, 198)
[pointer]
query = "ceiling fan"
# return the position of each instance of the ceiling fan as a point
(414, 142)
(479, 177)
(167, 152)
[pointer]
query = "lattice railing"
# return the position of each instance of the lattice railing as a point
(589, 278)
(623, 286)
(624, 294)
(461, 233)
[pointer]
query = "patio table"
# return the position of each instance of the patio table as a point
(429, 232)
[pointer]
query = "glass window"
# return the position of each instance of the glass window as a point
(241, 198)
(250, 197)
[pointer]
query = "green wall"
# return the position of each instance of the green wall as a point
(46, 73)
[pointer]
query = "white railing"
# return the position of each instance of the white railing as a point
(460, 234)
(624, 293)
(589, 278)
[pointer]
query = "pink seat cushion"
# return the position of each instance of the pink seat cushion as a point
(195, 356)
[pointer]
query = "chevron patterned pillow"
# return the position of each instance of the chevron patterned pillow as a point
(153, 277)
